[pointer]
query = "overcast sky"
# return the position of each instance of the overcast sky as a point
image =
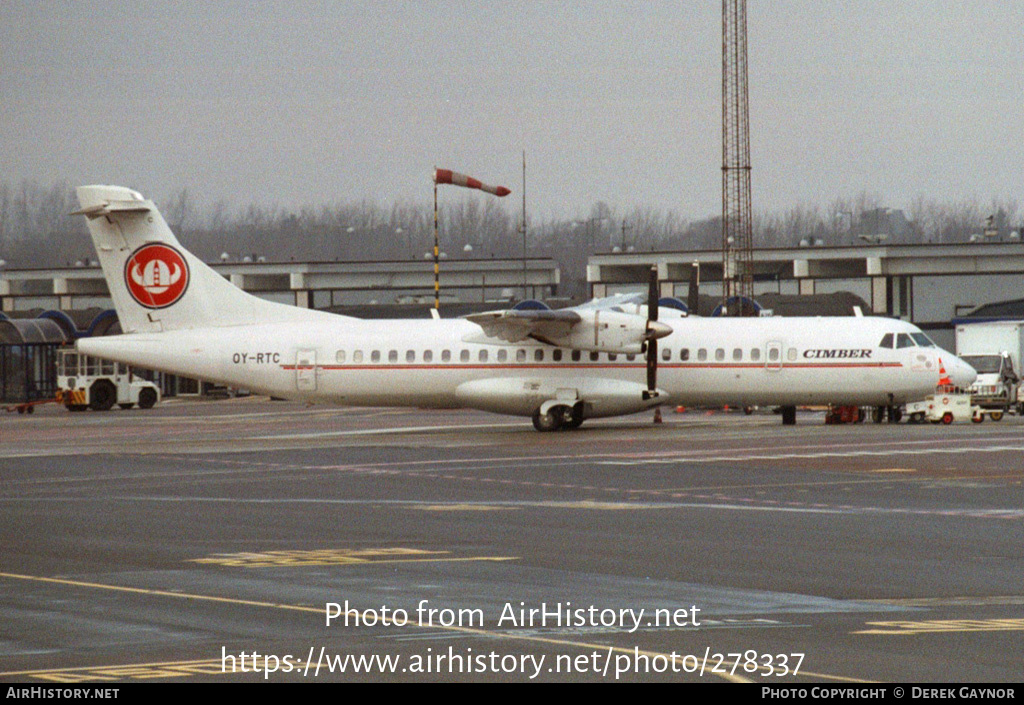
(301, 102)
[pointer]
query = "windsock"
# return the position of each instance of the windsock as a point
(447, 176)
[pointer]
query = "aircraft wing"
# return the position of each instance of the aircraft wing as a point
(602, 325)
(614, 302)
(514, 326)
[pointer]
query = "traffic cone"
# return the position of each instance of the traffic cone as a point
(657, 414)
(943, 376)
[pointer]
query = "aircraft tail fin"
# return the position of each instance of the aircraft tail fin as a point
(156, 284)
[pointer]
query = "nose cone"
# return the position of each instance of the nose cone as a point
(961, 374)
(656, 329)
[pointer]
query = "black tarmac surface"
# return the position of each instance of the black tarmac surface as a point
(209, 541)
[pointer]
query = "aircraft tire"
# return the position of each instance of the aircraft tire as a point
(572, 417)
(550, 421)
(147, 398)
(102, 395)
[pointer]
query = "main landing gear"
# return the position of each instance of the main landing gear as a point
(559, 417)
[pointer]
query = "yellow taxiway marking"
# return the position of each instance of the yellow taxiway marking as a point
(205, 664)
(944, 626)
(339, 556)
(463, 508)
(167, 669)
(593, 504)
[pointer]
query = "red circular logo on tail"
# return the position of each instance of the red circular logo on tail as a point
(156, 275)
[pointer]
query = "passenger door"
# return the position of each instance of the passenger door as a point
(305, 370)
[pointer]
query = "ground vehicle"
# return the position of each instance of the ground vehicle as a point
(947, 405)
(86, 382)
(994, 349)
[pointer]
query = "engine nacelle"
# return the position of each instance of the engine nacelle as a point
(590, 329)
(609, 332)
(606, 331)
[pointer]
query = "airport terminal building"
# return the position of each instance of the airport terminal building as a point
(926, 284)
(929, 285)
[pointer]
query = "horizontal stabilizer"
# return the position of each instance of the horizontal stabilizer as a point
(109, 207)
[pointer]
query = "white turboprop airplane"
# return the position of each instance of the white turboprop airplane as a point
(558, 367)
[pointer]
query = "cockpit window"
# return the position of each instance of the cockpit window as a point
(923, 340)
(904, 341)
(886, 341)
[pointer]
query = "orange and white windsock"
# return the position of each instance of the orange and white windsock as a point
(447, 176)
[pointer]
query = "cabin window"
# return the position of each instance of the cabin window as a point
(556, 354)
(594, 357)
(737, 354)
(773, 354)
(464, 356)
(392, 356)
(904, 341)
(719, 354)
(630, 357)
(684, 354)
(791, 354)
(410, 356)
(755, 354)
(886, 341)
(375, 356)
(446, 356)
(612, 357)
(666, 354)
(482, 357)
(576, 355)
(520, 355)
(702, 354)
(339, 357)
(502, 355)
(357, 356)
(538, 355)
(428, 355)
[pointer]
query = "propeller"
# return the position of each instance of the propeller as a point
(654, 331)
